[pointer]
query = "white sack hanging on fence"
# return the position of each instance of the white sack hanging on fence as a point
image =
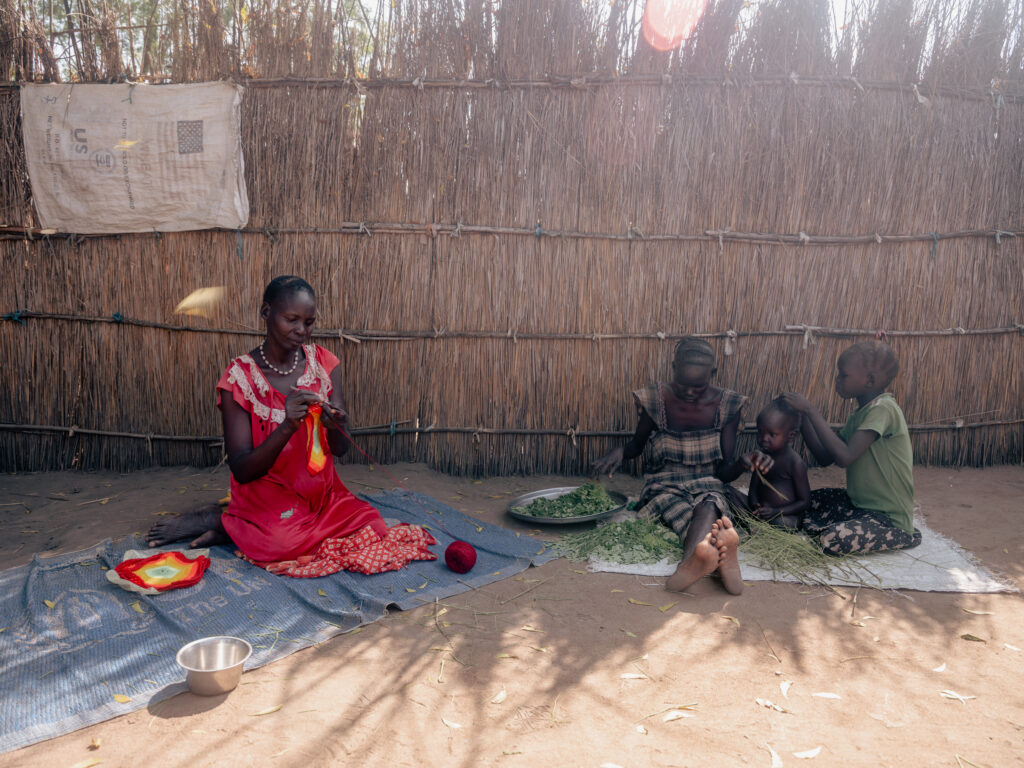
(135, 158)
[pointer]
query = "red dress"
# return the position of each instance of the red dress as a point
(289, 512)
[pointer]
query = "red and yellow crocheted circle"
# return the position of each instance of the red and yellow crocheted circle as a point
(164, 570)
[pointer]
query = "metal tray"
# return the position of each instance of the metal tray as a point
(554, 493)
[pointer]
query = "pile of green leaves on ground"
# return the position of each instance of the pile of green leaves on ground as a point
(588, 499)
(645, 541)
(629, 542)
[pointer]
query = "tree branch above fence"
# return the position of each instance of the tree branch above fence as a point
(954, 424)
(631, 234)
(357, 336)
(1005, 93)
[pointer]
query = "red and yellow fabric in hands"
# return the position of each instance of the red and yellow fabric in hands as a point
(164, 571)
(290, 511)
(362, 552)
(316, 440)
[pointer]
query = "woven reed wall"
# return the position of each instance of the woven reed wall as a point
(735, 185)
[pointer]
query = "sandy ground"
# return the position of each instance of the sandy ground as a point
(477, 688)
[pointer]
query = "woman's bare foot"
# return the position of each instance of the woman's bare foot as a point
(702, 562)
(201, 525)
(726, 540)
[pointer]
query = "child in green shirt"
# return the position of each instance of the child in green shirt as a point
(875, 511)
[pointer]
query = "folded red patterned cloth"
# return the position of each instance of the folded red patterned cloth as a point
(363, 552)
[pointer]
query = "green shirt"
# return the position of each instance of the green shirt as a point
(882, 479)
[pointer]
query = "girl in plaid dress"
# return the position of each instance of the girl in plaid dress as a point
(691, 428)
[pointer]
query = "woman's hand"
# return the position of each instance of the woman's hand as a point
(608, 463)
(760, 461)
(296, 405)
(798, 403)
(334, 417)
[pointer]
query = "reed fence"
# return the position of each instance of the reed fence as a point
(511, 210)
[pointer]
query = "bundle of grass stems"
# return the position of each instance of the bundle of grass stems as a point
(789, 555)
(792, 555)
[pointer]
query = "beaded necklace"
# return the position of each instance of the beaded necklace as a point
(269, 365)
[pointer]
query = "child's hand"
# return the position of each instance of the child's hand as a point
(607, 463)
(762, 462)
(797, 402)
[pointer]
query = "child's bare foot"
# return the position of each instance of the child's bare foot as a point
(702, 562)
(726, 540)
(202, 525)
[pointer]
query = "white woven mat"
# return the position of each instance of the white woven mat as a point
(937, 565)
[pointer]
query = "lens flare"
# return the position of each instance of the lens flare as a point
(667, 23)
(201, 302)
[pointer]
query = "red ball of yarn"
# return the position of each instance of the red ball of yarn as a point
(460, 556)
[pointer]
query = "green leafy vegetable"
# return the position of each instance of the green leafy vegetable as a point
(588, 499)
(631, 541)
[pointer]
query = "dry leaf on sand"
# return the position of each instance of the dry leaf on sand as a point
(807, 754)
(676, 714)
(267, 711)
(947, 694)
(769, 704)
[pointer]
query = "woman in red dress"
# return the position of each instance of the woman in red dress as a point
(280, 508)
(285, 503)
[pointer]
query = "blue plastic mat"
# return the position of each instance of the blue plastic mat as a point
(64, 664)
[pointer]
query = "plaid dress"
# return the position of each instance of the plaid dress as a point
(680, 470)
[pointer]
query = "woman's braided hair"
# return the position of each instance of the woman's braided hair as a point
(693, 351)
(285, 285)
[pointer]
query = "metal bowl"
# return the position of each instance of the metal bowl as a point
(554, 493)
(213, 665)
